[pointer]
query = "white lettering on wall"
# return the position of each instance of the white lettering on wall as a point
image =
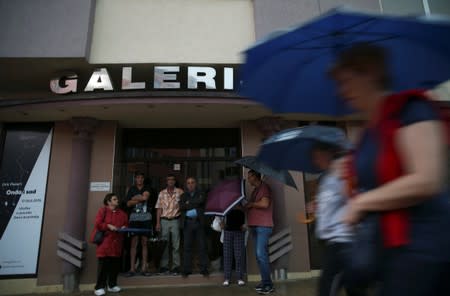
(204, 75)
(166, 76)
(99, 80)
(64, 84)
(127, 80)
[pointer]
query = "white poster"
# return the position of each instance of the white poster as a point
(23, 177)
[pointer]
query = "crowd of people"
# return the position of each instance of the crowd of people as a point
(397, 173)
(179, 213)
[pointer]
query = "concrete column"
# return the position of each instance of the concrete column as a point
(74, 225)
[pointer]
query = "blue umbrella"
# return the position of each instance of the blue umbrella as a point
(291, 149)
(287, 72)
(254, 163)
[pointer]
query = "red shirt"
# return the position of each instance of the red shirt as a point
(260, 217)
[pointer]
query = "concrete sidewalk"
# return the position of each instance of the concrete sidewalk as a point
(290, 287)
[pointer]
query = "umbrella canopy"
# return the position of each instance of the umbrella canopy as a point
(224, 196)
(256, 164)
(291, 149)
(288, 72)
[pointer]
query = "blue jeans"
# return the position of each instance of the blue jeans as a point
(261, 236)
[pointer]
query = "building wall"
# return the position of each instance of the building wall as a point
(274, 15)
(45, 28)
(102, 161)
(439, 6)
(177, 31)
(49, 271)
(158, 31)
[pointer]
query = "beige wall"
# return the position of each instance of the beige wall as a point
(49, 271)
(102, 160)
(102, 164)
(288, 202)
(176, 31)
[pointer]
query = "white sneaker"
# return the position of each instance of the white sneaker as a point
(241, 283)
(114, 289)
(226, 283)
(99, 292)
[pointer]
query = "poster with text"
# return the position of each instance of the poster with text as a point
(23, 183)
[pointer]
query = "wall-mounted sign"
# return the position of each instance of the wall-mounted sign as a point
(147, 77)
(23, 185)
(176, 167)
(100, 187)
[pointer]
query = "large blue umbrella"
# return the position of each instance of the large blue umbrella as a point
(287, 72)
(291, 149)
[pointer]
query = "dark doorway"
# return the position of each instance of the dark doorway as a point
(206, 154)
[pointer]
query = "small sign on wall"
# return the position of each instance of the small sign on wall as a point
(100, 186)
(177, 167)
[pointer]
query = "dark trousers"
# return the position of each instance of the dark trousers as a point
(108, 269)
(233, 243)
(332, 276)
(408, 274)
(193, 231)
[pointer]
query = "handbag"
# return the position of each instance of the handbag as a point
(215, 225)
(363, 256)
(97, 237)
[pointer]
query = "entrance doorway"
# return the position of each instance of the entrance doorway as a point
(206, 154)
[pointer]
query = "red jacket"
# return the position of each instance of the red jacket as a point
(112, 243)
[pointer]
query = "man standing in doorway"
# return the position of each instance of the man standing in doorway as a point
(141, 218)
(260, 222)
(192, 221)
(168, 214)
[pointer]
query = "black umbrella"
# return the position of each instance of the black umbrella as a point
(254, 163)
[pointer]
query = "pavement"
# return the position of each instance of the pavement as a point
(290, 287)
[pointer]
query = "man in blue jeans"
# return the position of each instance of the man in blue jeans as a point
(260, 222)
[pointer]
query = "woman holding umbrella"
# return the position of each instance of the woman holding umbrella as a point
(399, 167)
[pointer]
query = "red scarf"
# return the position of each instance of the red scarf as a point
(395, 224)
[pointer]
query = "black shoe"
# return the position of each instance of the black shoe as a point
(259, 287)
(130, 274)
(205, 272)
(163, 271)
(266, 290)
(175, 271)
(185, 274)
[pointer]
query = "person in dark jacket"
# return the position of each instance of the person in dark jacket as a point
(192, 204)
(109, 219)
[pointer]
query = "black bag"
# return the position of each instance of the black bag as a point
(365, 252)
(97, 237)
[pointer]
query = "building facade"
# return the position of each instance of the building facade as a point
(92, 91)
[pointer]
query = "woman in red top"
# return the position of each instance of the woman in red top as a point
(400, 169)
(109, 219)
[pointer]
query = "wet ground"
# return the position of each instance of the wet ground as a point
(293, 287)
